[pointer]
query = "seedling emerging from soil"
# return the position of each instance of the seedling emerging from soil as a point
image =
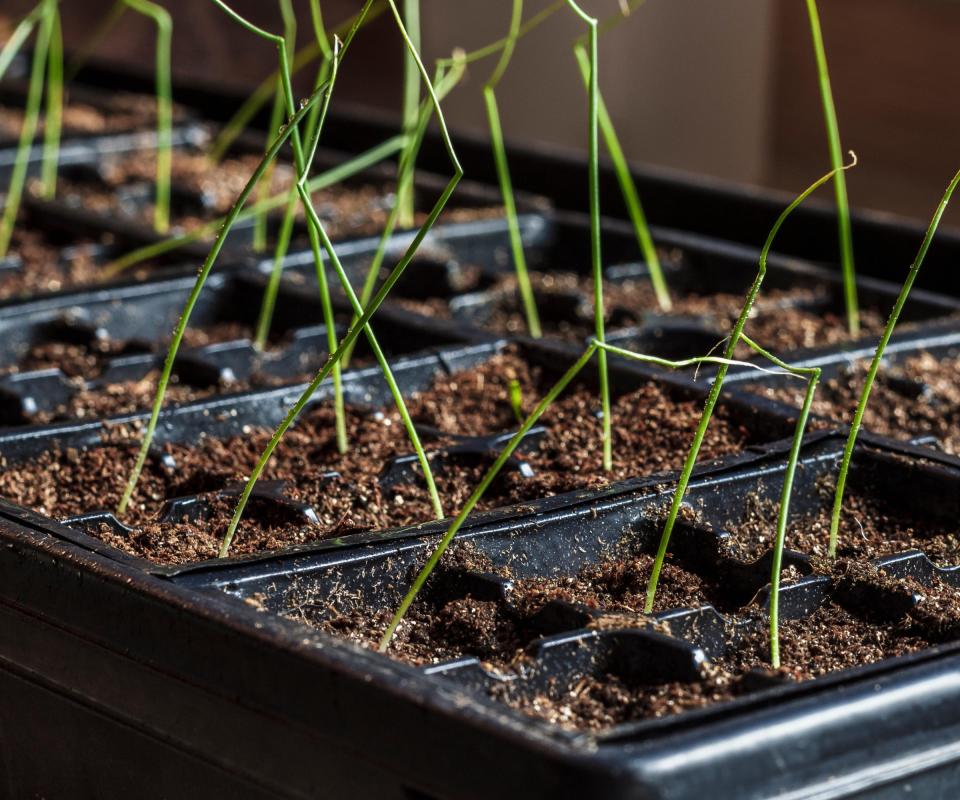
(593, 164)
(783, 515)
(875, 365)
(551, 395)
(370, 309)
(840, 180)
(516, 399)
(717, 387)
(503, 173)
(628, 188)
(47, 56)
(161, 18)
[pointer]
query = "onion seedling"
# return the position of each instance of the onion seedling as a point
(812, 375)
(531, 420)
(840, 179)
(161, 18)
(370, 308)
(503, 173)
(265, 317)
(875, 365)
(447, 76)
(45, 18)
(593, 169)
(717, 387)
(411, 109)
(53, 119)
(628, 187)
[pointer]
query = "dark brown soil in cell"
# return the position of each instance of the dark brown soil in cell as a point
(124, 398)
(835, 637)
(920, 397)
(870, 526)
(565, 308)
(568, 457)
(830, 639)
(346, 209)
(497, 632)
(38, 266)
(117, 113)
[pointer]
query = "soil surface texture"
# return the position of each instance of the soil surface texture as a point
(566, 457)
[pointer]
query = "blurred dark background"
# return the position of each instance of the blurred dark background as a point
(722, 88)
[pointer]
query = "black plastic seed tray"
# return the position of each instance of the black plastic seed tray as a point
(777, 738)
(760, 421)
(256, 703)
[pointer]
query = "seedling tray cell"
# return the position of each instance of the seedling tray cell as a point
(914, 396)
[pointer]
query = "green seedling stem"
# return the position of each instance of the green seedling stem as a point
(628, 188)
(161, 18)
(411, 109)
(812, 374)
(18, 177)
(840, 180)
(371, 308)
(593, 156)
(19, 37)
(265, 317)
(512, 445)
(503, 174)
(53, 122)
(875, 365)
(266, 89)
(714, 394)
(332, 176)
(516, 399)
(208, 263)
(276, 117)
(323, 71)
